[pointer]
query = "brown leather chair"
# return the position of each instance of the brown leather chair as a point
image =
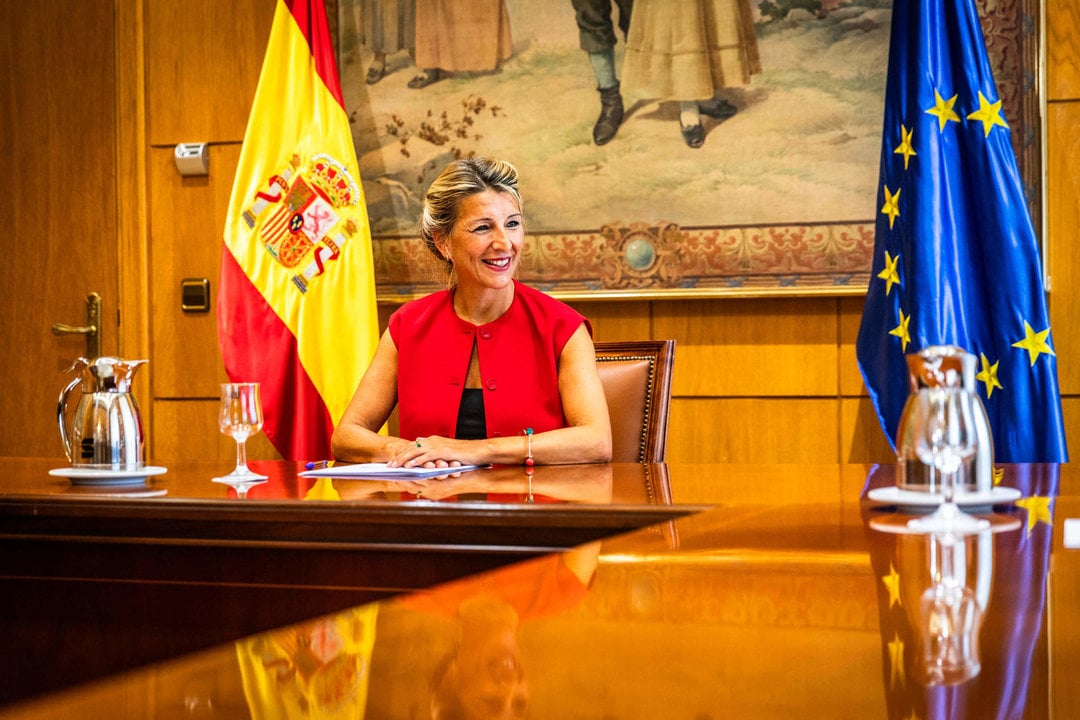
(637, 382)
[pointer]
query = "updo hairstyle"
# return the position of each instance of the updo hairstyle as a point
(457, 181)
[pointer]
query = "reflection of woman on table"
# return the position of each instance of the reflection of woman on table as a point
(489, 371)
(577, 484)
(484, 674)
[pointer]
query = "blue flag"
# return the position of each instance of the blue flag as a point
(956, 260)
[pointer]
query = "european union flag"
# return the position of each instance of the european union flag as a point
(956, 260)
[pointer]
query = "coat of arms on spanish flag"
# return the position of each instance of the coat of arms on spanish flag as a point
(296, 306)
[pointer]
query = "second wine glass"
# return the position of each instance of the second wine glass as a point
(240, 417)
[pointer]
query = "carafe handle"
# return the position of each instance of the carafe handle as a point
(61, 406)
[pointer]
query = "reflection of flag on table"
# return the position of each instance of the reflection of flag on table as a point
(1016, 601)
(956, 260)
(296, 310)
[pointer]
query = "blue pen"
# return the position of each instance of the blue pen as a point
(318, 464)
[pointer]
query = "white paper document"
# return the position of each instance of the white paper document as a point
(382, 472)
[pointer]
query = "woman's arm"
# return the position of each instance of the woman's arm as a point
(586, 439)
(356, 437)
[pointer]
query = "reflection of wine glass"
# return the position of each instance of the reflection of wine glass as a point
(240, 417)
(943, 422)
(950, 618)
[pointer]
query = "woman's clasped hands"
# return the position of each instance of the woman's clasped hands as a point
(427, 452)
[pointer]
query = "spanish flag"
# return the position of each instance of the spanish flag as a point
(296, 309)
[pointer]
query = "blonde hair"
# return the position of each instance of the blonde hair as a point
(457, 181)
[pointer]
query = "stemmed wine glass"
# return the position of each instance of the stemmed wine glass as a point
(240, 417)
(945, 439)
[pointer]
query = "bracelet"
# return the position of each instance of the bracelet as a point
(528, 452)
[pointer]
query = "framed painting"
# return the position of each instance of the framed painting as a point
(778, 199)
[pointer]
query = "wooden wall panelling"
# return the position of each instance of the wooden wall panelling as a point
(1062, 33)
(187, 218)
(763, 347)
(204, 59)
(188, 429)
(850, 311)
(754, 430)
(1070, 412)
(58, 130)
(619, 320)
(1063, 218)
(131, 183)
(862, 439)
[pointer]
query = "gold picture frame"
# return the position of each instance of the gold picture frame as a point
(779, 200)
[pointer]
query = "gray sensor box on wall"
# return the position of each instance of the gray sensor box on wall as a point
(192, 158)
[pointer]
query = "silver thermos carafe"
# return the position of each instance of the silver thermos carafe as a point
(105, 431)
(944, 366)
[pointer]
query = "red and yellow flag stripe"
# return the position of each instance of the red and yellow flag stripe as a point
(296, 304)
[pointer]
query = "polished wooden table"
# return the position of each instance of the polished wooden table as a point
(133, 568)
(794, 596)
(501, 509)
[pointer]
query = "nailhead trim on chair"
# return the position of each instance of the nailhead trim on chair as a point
(648, 395)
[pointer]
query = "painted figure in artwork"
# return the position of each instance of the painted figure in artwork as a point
(386, 27)
(596, 34)
(460, 36)
(688, 51)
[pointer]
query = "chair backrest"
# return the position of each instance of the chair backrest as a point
(637, 383)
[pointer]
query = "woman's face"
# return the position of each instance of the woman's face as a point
(486, 241)
(491, 681)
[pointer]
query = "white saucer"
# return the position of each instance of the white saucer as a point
(921, 501)
(94, 476)
(901, 525)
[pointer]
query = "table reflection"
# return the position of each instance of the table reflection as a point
(961, 615)
(504, 484)
(315, 669)
(949, 618)
(456, 650)
(605, 484)
(762, 607)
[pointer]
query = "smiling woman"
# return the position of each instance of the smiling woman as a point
(473, 214)
(488, 370)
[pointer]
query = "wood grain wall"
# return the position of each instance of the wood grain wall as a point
(1062, 33)
(754, 380)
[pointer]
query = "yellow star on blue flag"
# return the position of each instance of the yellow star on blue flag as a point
(1038, 511)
